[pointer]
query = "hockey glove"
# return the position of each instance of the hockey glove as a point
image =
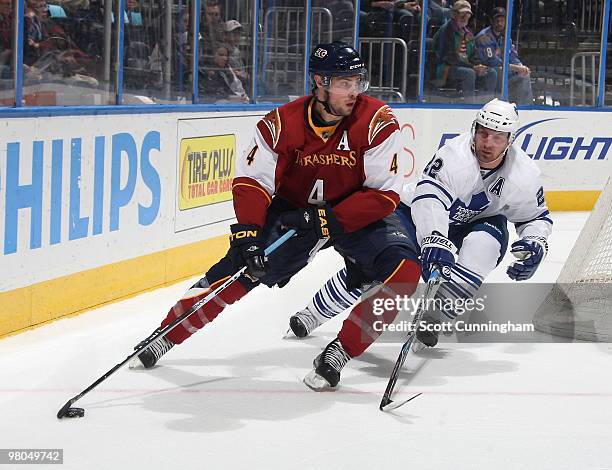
(246, 248)
(321, 220)
(530, 251)
(437, 250)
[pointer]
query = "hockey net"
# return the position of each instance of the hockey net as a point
(580, 303)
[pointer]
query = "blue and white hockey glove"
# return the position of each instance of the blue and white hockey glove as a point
(530, 251)
(437, 250)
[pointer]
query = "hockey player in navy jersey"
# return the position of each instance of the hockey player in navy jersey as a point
(326, 165)
(472, 186)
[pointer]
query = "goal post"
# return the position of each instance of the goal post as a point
(580, 303)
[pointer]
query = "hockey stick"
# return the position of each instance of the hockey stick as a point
(386, 403)
(68, 411)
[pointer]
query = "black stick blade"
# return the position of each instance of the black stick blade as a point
(384, 402)
(391, 405)
(67, 412)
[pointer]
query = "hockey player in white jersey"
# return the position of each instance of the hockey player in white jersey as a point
(458, 213)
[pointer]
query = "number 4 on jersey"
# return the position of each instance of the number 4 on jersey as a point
(393, 168)
(251, 156)
(316, 194)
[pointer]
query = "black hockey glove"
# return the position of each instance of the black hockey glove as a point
(530, 251)
(321, 220)
(246, 248)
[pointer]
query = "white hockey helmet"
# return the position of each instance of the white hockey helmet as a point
(498, 115)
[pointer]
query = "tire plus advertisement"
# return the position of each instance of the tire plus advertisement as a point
(206, 170)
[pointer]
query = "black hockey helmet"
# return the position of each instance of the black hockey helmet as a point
(335, 59)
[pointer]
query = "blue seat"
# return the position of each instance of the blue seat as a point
(56, 11)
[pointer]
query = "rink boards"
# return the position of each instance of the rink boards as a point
(97, 208)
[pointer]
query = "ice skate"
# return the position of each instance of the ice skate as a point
(327, 367)
(303, 323)
(149, 357)
(426, 338)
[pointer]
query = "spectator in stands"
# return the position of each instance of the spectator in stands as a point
(6, 33)
(6, 24)
(136, 32)
(50, 48)
(408, 14)
(35, 14)
(387, 18)
(490, 50)
(181, 54)
(133, 14)
(438, 11)
(6, 12)
(6, 50)
(232, 34)
(84, 24)
(456, 61)
(211, 28)
(72, 6)
(218, 82)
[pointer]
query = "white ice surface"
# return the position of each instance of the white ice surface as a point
(232, 398)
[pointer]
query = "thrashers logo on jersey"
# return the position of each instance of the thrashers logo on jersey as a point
(273, 123)
(382, 118)
(326, 159)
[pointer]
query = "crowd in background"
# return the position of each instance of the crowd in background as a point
(64, 42)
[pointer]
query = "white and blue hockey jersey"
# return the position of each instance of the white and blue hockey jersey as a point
(453, 190)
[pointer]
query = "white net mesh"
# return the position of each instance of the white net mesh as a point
(591, 257)
(580, 304)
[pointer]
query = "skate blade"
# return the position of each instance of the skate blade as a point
(317, 383)
(417, 346)
(289, 335)
(135, 363)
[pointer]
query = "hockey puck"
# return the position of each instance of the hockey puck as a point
(68, 412)
(75, 413)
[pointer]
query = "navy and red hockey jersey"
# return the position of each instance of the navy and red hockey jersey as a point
(353, 165)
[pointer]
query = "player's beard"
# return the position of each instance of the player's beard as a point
(344, 109)
(492, 162)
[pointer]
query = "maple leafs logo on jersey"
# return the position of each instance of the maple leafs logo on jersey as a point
(384, 117)
(273, 123)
